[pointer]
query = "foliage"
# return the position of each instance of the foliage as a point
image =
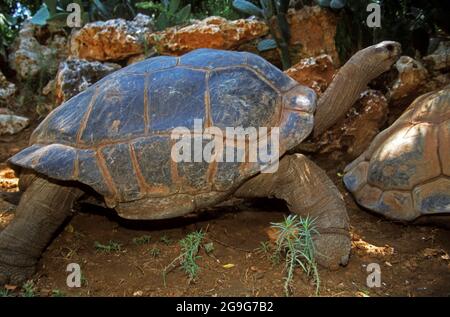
(155, 252)
(145, 239)
(190, 246)
(54, 12)
(28, 289)
(221, 8)
(111, 246)
(168, 12)
(4, 292)
(410, 22)
(279, 31)
(295, 243)
(7, 33)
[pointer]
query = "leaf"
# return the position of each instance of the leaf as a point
(103, 10)
(228, 266)
(162, 21)
(324, 3)
(173, 6)
(266, 45)
(337, 4)
(247, 7)
(41, 16)
(184, 14)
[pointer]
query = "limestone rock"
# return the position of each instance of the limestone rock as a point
(440, 59)
(12, 124)
(411, 76)
(314, 72)
(7, 89)
(75, 75)
(212, 32)
(28, 54)
(111, 40)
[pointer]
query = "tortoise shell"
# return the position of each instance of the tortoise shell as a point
(405, 173)
(116, 135)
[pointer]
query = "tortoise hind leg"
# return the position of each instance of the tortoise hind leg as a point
(42, 209)
(308, 191)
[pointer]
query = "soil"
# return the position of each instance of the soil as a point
(414, 260)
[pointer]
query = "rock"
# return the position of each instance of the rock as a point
(351, 136)
(314, 72)
(411, 76)
(440, 59)
(313, 30)
(49, 88)
(135, 58)
(75, 75)
(212, 32)
(12, 124)
(7, 89)
(111, 40)
(28, 55)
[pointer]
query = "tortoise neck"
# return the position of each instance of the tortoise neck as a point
(344, 91)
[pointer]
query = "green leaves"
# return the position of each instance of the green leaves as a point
(333, 4)
(41, 16)
(279, 31)
(168, 12)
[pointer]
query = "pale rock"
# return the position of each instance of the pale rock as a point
(12, 124)
(114, 39)
(75, 75)
(212, 32)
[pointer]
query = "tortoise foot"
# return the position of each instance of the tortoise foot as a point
(15, 275)
(332, 249)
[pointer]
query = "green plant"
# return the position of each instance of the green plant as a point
(279, 31)
(166, 240)
(222, 8)
(111, 246)
(295, 244)
(4, 292)
(265, 249)
(57, 293)
(145, 239)
(54, 12)
(190, 246)
(168, 12)
(28, 289)
(155, 252)
(410, 22)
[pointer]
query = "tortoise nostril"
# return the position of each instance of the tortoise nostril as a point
(390, 47)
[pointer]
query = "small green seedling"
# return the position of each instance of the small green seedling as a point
(295, 246)
(265, 249)
(190, 246)
(28, 289)
(57, 293)
(4, 292)
(209, 247)
(155, 252)
(145, 239)
(166, 240)
(112, 246)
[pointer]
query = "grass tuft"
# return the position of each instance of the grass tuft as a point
(190, 246)
(111, 246)
(295, 246)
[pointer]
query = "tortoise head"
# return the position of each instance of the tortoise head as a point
(352, 80)
(379, 58)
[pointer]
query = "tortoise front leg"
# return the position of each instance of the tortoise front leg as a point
(308, 191)
(42, 209)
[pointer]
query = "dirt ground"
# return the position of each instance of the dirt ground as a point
(414, 260)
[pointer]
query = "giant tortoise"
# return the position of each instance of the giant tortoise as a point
(115, 140)
(405, 173)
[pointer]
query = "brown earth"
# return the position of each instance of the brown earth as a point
(414, 260)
